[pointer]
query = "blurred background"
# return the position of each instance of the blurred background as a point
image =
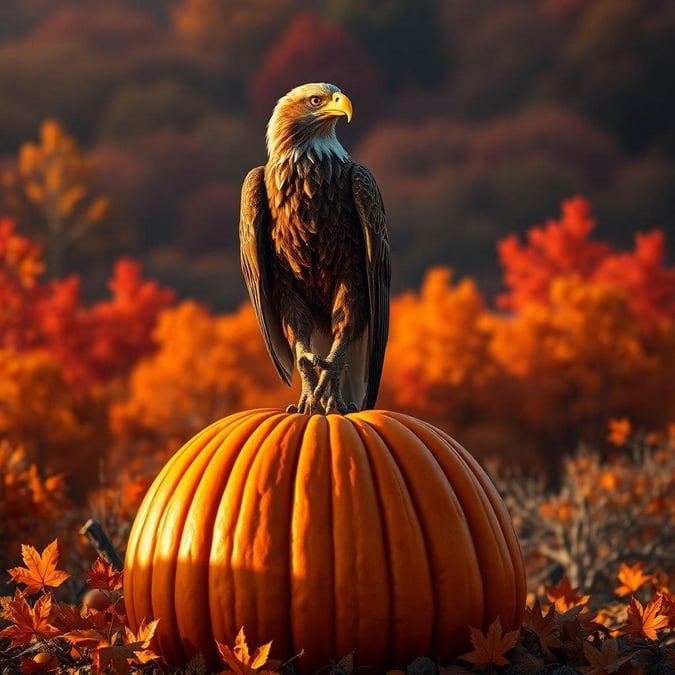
(477, 117)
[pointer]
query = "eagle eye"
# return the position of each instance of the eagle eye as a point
(315, 101)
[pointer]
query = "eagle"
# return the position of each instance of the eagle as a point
(315, 255)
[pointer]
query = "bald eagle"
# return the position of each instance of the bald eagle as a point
(315, 255)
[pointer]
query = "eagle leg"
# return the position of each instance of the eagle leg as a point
(306, 363)
(327, 389)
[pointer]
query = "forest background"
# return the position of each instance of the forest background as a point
(526, 154)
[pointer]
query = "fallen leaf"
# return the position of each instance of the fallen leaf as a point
(631, 578)
(29, 623)
(645, 621)
(40, 571)
(564, 597)
(239, 659)
(490, 647)
(544, 627)
(603, 660)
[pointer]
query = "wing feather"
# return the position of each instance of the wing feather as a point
(370, 208)
(255, 265)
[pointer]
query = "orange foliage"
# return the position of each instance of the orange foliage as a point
(437, 359)
(205, 367)
(590, 337)
(45, 635)
(31, 506)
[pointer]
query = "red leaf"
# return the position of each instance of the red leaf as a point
(104, 575)
(490, 647)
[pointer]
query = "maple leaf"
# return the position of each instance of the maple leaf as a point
(104, 575)
(40, 571)
(603, 660)
(564, 597)
(631, 578)
(29, 623)
(490, 647)
(544, 627)
(645, 621)
(115, 652)
(239, 659)
(139, 642)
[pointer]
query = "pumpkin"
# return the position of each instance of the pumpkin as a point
(373, 532)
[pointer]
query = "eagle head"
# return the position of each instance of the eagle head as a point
(303, 122)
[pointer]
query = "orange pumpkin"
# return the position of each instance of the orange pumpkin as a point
(373, 532)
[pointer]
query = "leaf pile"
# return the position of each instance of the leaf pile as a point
(560, 633)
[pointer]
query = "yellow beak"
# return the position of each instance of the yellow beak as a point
(339, 104)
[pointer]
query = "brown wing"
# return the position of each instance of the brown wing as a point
(368, 202)
(255, 264)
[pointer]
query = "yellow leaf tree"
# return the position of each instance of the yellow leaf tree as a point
(53, 179)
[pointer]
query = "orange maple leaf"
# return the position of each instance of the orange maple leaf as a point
(564, 597)
(28, 623)
(631, 578)
(40, 571)
(544, 627)
(645, 621)
(118, 649)
(603, 660)
(104, 575)
(490, 647)
(139, 642)
(240, 660)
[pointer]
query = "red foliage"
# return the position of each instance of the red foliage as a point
(314, 49)
(562, 248)
(93, 344)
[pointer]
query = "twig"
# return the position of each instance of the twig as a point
(99, 539)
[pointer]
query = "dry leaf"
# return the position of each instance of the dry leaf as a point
(29, 623)
(104, 575)
(490, 647)
(40, 571)
(631, 578)
(603, 660)
(544, 627)
(564, 597)
(239, 659)
(645, 621)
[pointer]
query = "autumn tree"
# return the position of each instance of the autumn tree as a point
(53, 179)
(563, 248)
(306, 53)
(236, 31)
(61, 362)
(206, 367)
(437, 360)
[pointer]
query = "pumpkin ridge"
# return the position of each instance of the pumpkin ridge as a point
(359, 585)
(271, 481)
(246, 437)
(191, 589)
(371, 418)
(149, 517)
(368, 436)
(504, 520)
(500, 530)
(311, 528)
(458, 591)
